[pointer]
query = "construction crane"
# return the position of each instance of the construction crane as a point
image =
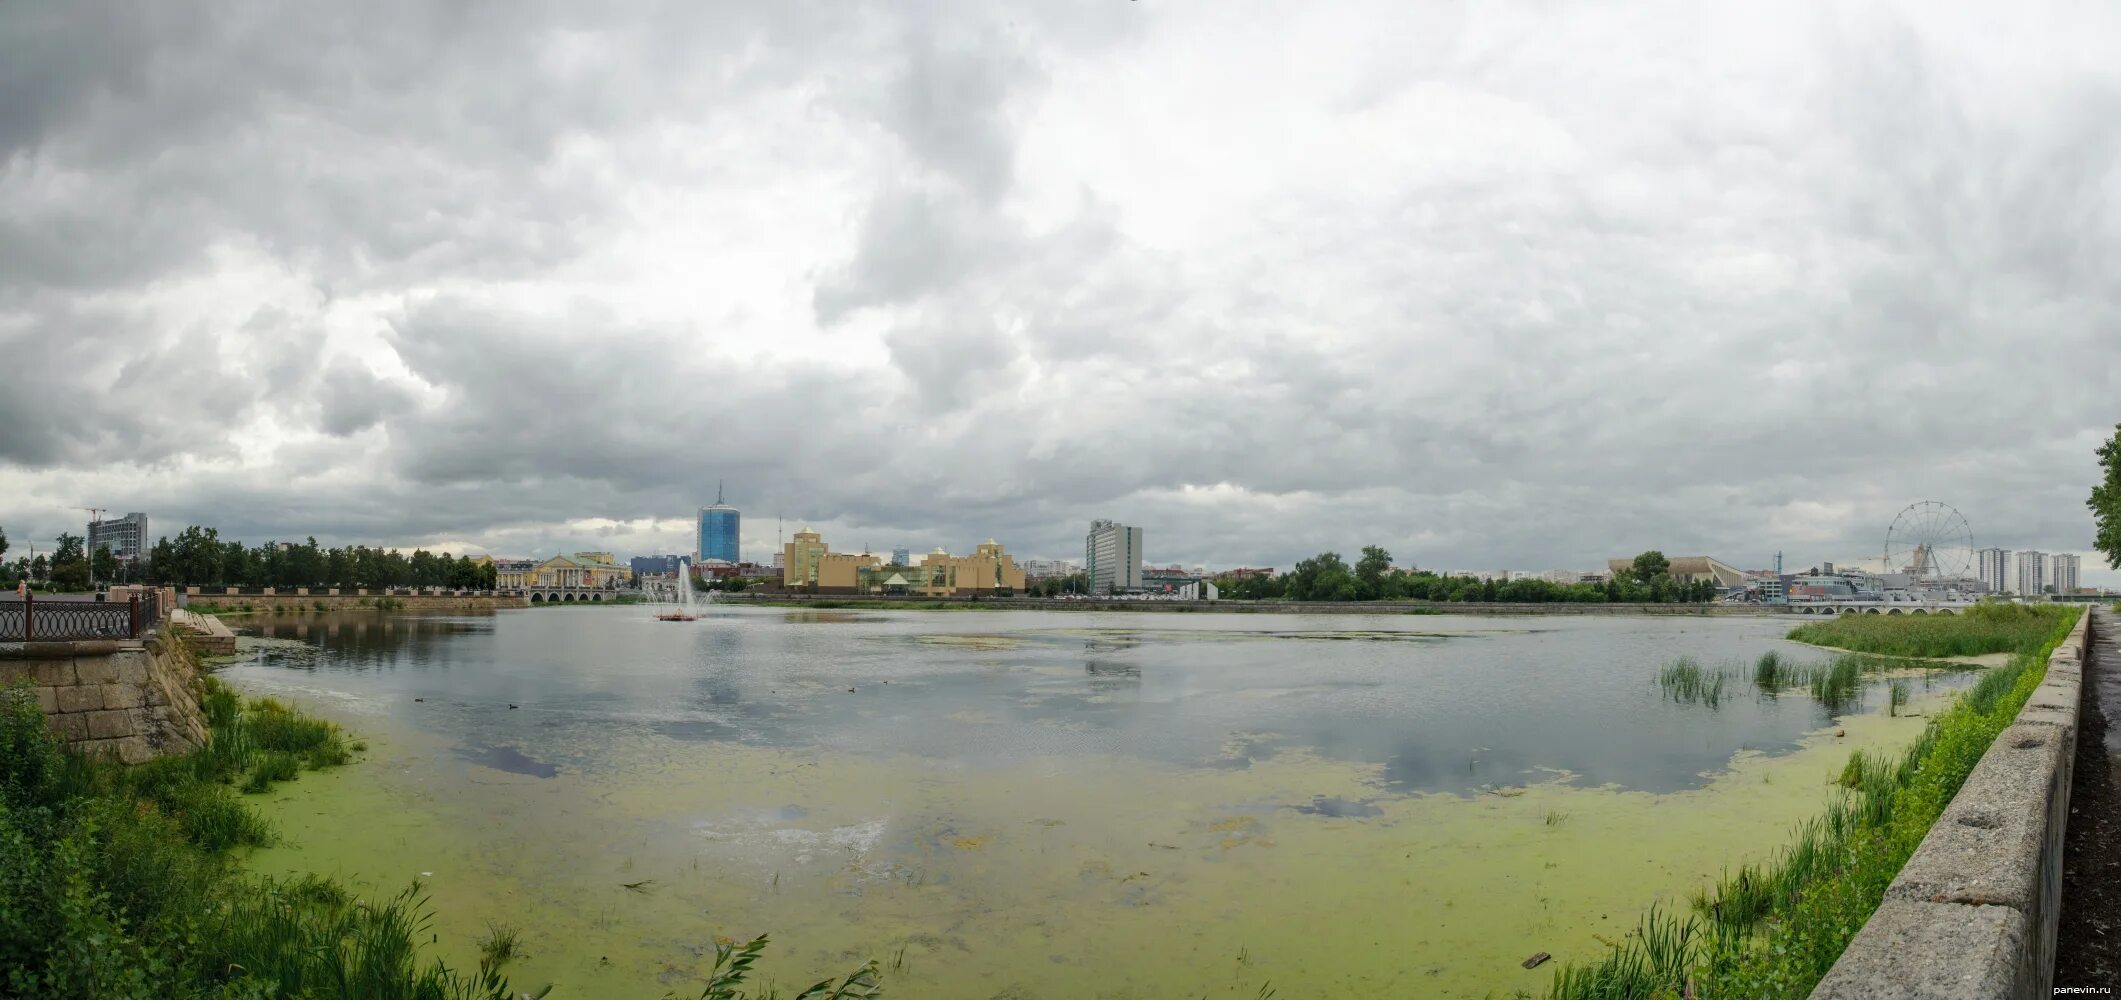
(94, 514)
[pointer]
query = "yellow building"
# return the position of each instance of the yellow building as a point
(809, 565)
(595, 570)
(988, 570)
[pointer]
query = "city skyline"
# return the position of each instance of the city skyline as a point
(1507, 285)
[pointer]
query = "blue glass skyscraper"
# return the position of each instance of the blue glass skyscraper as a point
(721, 528)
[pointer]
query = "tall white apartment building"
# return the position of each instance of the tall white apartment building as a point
(2031, 578)
(1995, 570)
(2062, 572)
(1112, 557)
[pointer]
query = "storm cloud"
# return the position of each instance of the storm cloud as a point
(1495, 286)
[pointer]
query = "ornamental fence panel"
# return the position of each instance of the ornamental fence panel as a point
(58, 619)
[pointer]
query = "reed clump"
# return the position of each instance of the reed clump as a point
(1688, 682)
(1774, 929)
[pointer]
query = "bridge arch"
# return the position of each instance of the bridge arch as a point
(1894, 611)
(1918, 611)
(1946, 611)
(537, 597)
(1872, 611)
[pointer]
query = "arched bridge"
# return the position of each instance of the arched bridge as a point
(570, 595)
(1874, 607)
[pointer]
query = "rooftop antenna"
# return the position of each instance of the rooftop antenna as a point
(718, 493)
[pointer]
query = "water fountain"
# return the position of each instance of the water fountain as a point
(684, 597)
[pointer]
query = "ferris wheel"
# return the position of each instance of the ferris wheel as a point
(1930, 542)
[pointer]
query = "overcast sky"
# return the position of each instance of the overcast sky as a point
(1494, 285)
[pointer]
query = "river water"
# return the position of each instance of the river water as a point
(1045, 805)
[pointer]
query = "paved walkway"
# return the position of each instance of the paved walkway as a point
(2088, 949)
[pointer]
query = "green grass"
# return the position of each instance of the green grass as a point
(1771, 673)
(501, 945)
(271, 766)
(1839, 687)
(1688, 682)
(1979, 630)
(1773, 930)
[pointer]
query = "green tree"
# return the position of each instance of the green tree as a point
(1370, 572)
(3, 541)
(2105, 503)
(1651, 565)
(69, 565)
(103, 565)
(1323, 577)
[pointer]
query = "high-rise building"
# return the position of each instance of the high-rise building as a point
(901, 556)
(721, 531)
(2031, 577)
(1112, 557)
(656, 565)
(2062, 572)
(126, 537)
(1995, 569)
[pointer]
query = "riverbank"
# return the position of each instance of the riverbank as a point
(124, 882)
(879, 603)
(1777, 930)
(269, 604)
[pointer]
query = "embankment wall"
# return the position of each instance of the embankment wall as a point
(1972, 916)
(346, 602)
(1255, 607)
(135, 699)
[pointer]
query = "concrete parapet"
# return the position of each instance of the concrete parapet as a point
(361, 601)
(1972, 915)
(130, 699)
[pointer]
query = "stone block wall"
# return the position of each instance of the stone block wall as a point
(1973, 915)
(133, 699)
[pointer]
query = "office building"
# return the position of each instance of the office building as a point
(1993, 567)
(655, 565)
(1040, 569)
(987, 571)
(721, 531)
(2031, 577)
(902, 556)
(2062, 572)
(810, 566)
(126, 537)
(1112, 558)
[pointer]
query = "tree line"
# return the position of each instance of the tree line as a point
(198, 557)
(1328, 577)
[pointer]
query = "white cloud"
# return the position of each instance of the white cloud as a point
(1496, 284)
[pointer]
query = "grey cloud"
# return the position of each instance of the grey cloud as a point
(1703, 304)
(353, 399)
